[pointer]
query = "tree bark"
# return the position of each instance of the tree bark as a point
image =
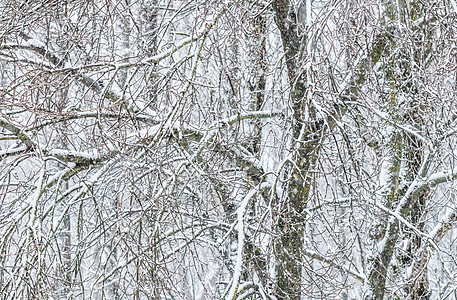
(291, 219)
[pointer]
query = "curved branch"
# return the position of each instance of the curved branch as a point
(240, 227)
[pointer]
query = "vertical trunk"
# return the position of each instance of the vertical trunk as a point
(148, 20)
(290, 222)
(411, 160)
(257, 84)
(258, 77)
(66, 256)
(407, 153)
(417, 287)
(125, 30)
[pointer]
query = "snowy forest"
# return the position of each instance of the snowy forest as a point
(228, 149)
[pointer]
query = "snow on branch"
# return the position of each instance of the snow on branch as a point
(263, 114)
(79, 157)
(454, 5)
(210, 132)
(240, 228)
(444, 225)
(62, 154)
(161, 56)
(205, 136)
(405, 222)
(84, 188)
(420, 183)
(314, 255)
(17, 131)
(204, 227)
(41, 49)
(36, 46)
(95, 113)
(404, 127)
(10, 151)
(441, 177)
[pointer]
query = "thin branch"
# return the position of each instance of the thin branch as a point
(314, 255)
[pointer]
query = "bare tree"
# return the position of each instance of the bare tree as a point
(227, 149)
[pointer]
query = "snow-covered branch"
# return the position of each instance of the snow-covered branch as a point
(444, 224)
(23, 137)
(240, 228)
(11, 151)
(405, 222)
